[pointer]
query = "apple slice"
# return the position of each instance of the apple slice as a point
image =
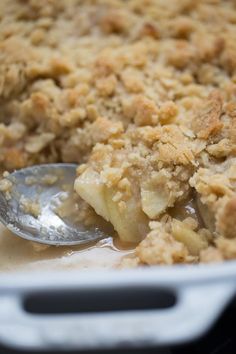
(130, 223)
(206, 214)
(154, 199)
(90, 188)
(191, 239)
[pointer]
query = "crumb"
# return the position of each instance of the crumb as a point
(6, 186)
(30, 207)
(49, 180)
(211, 254)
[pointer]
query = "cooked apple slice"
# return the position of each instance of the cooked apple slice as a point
(90, 188)
(191, 239)
(154, 199)
(206, 214)
(130, 222)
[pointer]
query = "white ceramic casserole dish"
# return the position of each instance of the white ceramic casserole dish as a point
(154, 306)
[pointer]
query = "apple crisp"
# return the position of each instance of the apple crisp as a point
(142, 95)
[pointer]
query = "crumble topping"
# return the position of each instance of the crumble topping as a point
(30, 206)
(207, 122)
(142, 95)
(160, 247)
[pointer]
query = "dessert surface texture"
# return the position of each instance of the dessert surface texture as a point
(142, 95)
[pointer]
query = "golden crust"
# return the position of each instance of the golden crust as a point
(225, 218)
(226, 247)
(207, 122)
(211, 254)
(159, 247)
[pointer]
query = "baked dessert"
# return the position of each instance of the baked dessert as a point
(142, 95)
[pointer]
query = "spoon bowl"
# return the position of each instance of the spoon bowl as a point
(29, 208)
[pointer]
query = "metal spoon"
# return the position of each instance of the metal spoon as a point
(47, 227)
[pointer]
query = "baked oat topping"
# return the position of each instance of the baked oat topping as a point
(142, 95)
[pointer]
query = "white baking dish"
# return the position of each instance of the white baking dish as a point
(201, 292)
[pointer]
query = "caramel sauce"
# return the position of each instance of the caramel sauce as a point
(17, 254)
